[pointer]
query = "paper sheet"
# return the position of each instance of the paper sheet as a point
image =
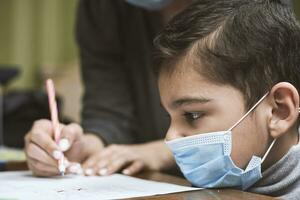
(22, 185)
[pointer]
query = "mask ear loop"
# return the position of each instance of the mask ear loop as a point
(269, 149)
(253, 107)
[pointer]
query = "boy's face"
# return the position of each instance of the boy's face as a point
(197, 105)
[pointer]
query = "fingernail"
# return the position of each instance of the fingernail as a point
(89, 171)
(126, 171)
(64, 144)
(76, 169)
(103, 171)
(79, 171)
(57, 154)
(66, 162)
(73, 169)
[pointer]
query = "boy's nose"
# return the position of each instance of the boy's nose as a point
(173, 134)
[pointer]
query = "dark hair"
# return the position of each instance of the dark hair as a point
(248, 44)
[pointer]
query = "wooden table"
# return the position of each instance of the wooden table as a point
(224, 194)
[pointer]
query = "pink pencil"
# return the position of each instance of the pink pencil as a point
(55, 121)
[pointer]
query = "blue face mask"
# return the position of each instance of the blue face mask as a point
(150, 4)
(205, 160)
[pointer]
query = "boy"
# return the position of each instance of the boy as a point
(229, 78)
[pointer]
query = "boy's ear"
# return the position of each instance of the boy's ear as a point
(284, 100)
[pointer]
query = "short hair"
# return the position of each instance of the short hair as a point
(248, 44)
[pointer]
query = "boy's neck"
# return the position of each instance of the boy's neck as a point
(281, 147)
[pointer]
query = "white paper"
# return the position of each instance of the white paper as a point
(22, 185)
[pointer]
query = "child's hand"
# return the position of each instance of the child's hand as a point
(43, 153)
(129, 159)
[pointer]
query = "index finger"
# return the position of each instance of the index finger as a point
(42, 135)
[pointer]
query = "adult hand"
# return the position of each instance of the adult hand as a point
(130, 159)
(43, 153)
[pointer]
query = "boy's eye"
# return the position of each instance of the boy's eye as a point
(192, 116)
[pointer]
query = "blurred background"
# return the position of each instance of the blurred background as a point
(37, 39)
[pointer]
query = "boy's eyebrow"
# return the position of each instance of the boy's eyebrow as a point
(189, 100)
